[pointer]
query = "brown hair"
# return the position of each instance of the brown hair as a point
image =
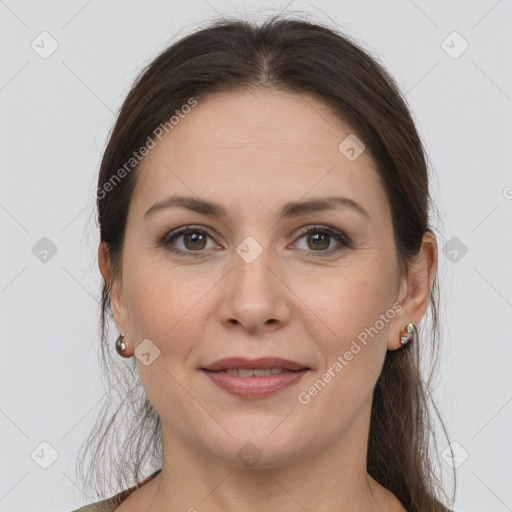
(300, 57)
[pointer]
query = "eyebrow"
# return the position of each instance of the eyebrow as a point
(288, 210)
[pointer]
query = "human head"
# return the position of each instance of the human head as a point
(313, 62)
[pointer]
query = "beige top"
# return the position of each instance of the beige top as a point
(110, 504)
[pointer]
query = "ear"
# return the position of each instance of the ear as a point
(414, 292)
(115, 287)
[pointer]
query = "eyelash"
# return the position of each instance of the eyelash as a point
(334, 233)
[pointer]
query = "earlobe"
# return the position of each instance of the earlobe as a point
(415, 291)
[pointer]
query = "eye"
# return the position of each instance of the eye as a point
(193, 239)
(319, 238)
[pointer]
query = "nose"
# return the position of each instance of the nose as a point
(254, 294)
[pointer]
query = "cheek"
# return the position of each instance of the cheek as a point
(353, 304)
(154, 294)
(355, 295)
(166, 304)
(351, 338)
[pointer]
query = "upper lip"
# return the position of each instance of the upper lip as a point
(254, 364)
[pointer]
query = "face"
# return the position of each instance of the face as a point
(249, 282)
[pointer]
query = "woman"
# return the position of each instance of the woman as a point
(267, 255)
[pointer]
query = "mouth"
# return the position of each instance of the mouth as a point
(262, 363)
(248, 372)
(257, 378)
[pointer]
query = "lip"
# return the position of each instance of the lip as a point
(255, 387)
(254, 364)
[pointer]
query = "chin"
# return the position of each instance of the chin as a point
(265, 447)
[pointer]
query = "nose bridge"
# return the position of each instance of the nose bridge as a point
(251, 274)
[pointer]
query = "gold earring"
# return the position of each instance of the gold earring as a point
(121, 346)
(408, 334)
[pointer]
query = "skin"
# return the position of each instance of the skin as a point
(252, 152)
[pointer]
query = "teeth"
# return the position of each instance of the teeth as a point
(245, 372)
(262, 373)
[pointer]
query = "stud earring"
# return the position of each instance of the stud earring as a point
(408, 334)
(121, 346)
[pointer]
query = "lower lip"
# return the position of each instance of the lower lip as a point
(255, 387)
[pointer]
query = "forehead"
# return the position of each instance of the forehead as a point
(257, 146)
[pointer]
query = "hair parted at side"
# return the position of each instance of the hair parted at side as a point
(298, 56)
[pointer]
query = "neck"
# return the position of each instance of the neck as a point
(334, 477)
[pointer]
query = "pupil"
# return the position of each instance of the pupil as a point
(316, 237)
(195, 238)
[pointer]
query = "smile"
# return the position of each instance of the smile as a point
(254, 383)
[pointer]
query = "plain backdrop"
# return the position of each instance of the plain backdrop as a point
(58, 101)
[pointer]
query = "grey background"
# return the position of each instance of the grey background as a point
(55, 116)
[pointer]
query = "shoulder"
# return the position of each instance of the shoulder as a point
(107, 505)
(110, 504)
(99, 506)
